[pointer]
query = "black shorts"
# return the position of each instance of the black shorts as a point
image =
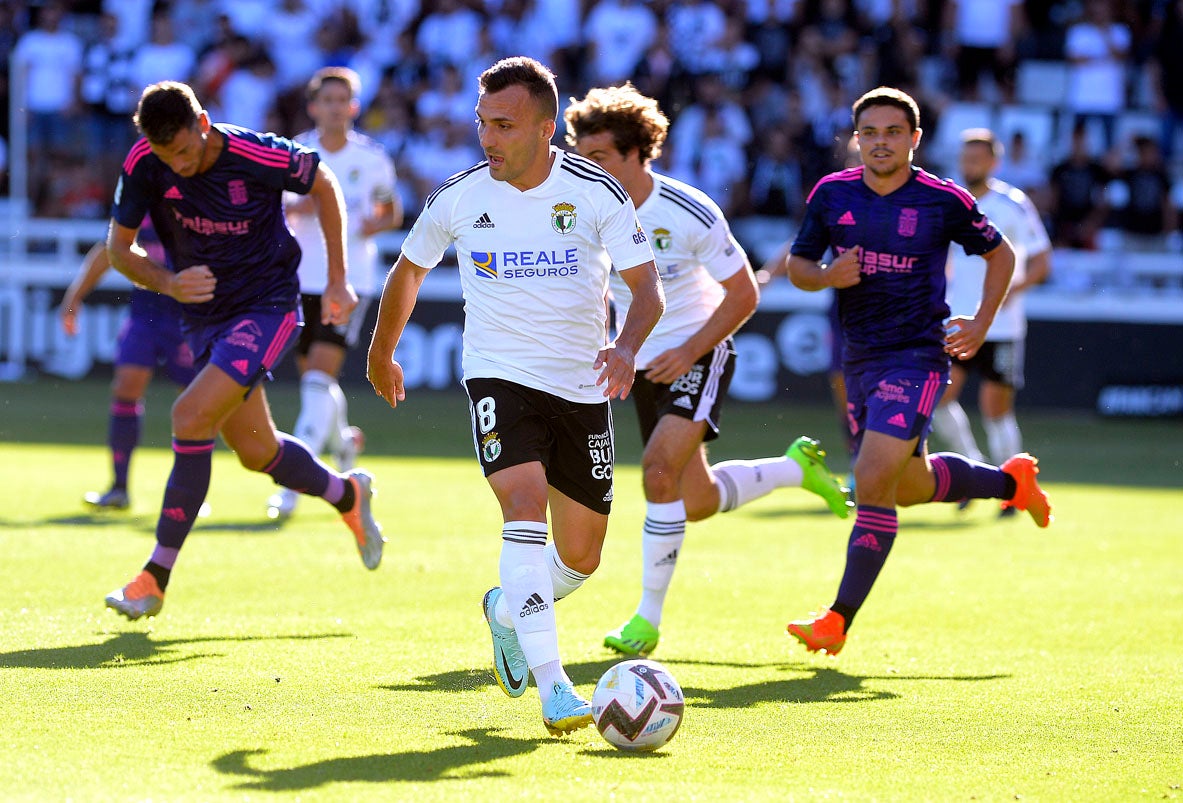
(696, 395)
(513, 424)
(345, 336)
(999, 361)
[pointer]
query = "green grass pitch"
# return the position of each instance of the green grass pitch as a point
(993, 661)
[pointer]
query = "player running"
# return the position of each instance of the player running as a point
(685, 365)
(999, 361)
(890, 225)
(150, 338)
(366, 175)
(531, 226)
(213, 192)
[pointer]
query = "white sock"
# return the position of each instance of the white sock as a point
(340, 430)
(563, 579)
(1003, 436)
(546, 676)
(318, 411)
(951, 424)
(661, 540)
(741, 481)
(526, 586)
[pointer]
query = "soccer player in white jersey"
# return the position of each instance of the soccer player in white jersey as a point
(367, 177)
(685, 365)
(999, 363)
(535, 231)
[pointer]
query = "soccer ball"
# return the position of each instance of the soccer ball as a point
(637, 705)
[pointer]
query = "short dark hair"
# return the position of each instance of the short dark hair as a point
(887, 96)
(535, 76)
(342, 75)
(633, 120)
(982, 136)
(166, 108)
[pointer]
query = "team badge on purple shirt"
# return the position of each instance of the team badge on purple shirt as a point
(237, 189)
(907, 222)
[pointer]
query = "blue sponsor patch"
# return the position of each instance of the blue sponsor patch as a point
(485, 264)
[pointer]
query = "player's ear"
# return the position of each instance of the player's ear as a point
(916, 137)
(203, 123)
(548, 129)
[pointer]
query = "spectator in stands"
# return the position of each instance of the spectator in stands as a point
(1096, 49)
(1077, 195)
(51, 60)
(695, 26)
(1168, 75)
(448, 100)
(198, 23)
(1020, 167)
(133, 21)
(659, 75)
(720, 167)
(1145, 212)
(776, 188)
(979, 39)
(688, 131)
(449, 33)
(249, 93)
(110, 96)
(617, 34)
(731, 57)
(769, 25)
(290, 39)
(163, 58)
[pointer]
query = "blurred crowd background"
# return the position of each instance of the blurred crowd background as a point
(1087, 95)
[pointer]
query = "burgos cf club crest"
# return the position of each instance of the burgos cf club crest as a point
(485, 264)
(490, 447)
(907, 222)
(562, 218)
(663, 240)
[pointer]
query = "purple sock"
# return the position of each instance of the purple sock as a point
(960, 478)
(297, 468)
(871, 538)
(187, 486)
(123, 434)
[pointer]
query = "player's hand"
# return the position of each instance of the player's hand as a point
(617, 367)
(386, 375)
(68, 315)
(964, 336)
(194, 285)
(337, 303)
(846, 270)
(666, 367)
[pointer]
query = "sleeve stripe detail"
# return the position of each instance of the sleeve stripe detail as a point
(258, 153)
(588, 170)
(696, 210)
(137, 152)
(452, 180)
(849, 174)
(929, 180)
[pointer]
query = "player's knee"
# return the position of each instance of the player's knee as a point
(660, 480)
(190, 421)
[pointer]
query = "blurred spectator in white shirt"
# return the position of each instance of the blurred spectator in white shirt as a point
(1096, 49)
(163, 58)
(617, 33)
(688, 132)
(731, 57)
(980, 36)
(449, 34)
(51, 60)
(695, 26)
(290, 39)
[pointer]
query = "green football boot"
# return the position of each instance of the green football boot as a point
(817, 479)
(636, 637)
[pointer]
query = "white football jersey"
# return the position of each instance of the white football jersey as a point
(366, 175)
(1012, 213)
(533, 269)
(694, 250)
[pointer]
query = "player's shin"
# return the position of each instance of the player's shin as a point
(661, 541)
(317, 422)
(529, 598)
(871, 540)
(563, 579)
(188, 484)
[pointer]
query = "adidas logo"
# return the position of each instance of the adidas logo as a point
(868, 541)
(534, 604)
(684, 402)
(483, 222)
(668, 560)
(173, 194)
(175, 513)
(847, 219)
(897, 420)
(241, 366)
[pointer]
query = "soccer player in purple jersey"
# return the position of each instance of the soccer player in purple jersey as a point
(890, 225)
(149, 338)
(214, 195)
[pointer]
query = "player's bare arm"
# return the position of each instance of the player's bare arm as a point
(617, 361)
(193, 285)
(385, 216)
(1038, 269)
(94, 265)
(394, 309)
(338, 298)
(967, 334)
(842, 272)
(737, 306)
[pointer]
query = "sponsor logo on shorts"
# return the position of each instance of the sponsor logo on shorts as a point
(889, 392)
(689, 382)
(684, 402)
(245, 335)
(599, 449)
(241, 366)
(490, 447)
(897, 420)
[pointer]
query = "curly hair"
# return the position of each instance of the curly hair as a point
(634, 120)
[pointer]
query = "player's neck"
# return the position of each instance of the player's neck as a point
(887, 183)
(536, 175)
(333, 139)
(640, 187)
(211, 150)
(978, 188)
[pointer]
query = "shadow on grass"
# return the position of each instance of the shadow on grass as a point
(445, 763)
(146, 523)
(131, 649)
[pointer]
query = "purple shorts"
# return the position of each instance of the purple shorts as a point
(894, 401)
(246, 346)
(156, 342)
